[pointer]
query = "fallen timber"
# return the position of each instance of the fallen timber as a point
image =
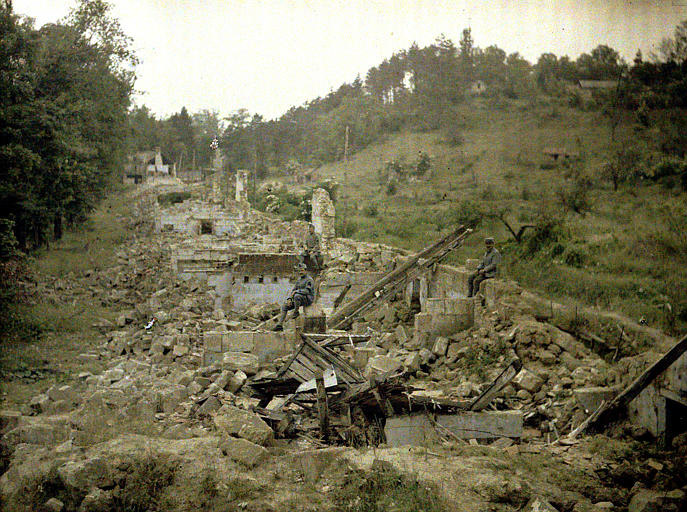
(341, 406)
(392, 283)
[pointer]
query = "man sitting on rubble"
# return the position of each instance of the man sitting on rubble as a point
(303, 294)
(487, 269)
(312, 249)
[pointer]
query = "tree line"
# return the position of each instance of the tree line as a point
(65, 93)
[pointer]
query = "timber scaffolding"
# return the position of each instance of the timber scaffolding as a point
(341, 406)
(392, 283)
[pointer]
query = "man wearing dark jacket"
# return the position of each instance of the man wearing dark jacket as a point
(487, 269)
(303, 294)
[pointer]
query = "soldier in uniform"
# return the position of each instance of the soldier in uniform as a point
(312, 249)
(303, 294)
(487, 269)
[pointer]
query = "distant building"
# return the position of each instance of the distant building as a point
(478, 87)
(144, 164)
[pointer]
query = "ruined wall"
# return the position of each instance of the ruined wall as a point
(323, 216)
(241, 195)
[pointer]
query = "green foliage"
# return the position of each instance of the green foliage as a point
(423, 164)
(148, 475)
(384, 488)
(371, 210)
(573, 195)
(391, 188)
(170, 198)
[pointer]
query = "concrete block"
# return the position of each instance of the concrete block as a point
(528, 381)
(590, 398)
(417, 430)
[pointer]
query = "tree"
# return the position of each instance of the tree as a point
(674, 49)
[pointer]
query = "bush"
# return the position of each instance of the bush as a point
(423, 164)
(371, 210)
(575, 256)
(572, 196)
(391, 187)
(147, 477)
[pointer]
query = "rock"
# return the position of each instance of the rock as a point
(570, 362)
(210, 405)
(523, 394)
(440, 346)
(382, 365)
(180, 350)
(547, 357)
(502, 443)
(539, 504)
(239, 450)
(237, 381)
(412, 362)
(96, 500)
(528, 381)
(402, 336)
(455, 351)
(236, 422)
(223, 379)
(39, 403)
(53, 505)
(247, 363)
(653, 501)
(86, 474)
(362, 355)
(426, 356)
(603, 506)
(66, 393)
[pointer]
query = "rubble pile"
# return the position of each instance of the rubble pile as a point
(178, 366)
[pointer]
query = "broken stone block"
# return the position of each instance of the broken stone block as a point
(39, 403)
(237, 381)
(570, 362)
(223, 379)
(412, 362)
(539, 504)
(590, 398)
(97, 500)
(547, 357)
(402, 336)
(382, 365)
(242, 451)
(647, 501)
(247, 363)
(230, 420)
(426, 356)
(210, 405)
(440, 346)
(66, 393)
(528, 381)
(180, 350)
(86, 474)
(53, 505)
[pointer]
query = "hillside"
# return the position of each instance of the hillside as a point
(624, 254)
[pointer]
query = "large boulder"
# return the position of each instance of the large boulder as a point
(243, 451)
(233, 421)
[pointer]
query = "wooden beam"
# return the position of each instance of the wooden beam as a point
(495, 388)
(617, 407)
(322, 407)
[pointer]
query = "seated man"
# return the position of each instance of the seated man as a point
(487, 269)
(303, 294)
(312, 249)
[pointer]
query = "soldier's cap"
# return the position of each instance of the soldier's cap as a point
(300, 266)
(489, 240)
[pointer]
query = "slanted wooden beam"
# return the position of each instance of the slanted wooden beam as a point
(322, 407)
(618, 406)
(495, 388)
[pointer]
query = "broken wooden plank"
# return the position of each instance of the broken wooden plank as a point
(344, 315)
(495, 388)
(322, 408)
(618, 406)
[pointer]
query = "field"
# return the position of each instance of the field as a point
(626, 253)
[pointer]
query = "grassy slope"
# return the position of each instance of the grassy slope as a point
(65, 327)
(627, 266)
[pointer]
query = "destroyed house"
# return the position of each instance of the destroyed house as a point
(196, 219)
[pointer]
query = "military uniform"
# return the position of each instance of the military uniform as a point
(303, 294)
(312, 250)
(489, 264)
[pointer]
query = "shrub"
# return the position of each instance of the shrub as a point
(572, 196)
(371, 210)
(147, 477)
(423, 164)
(391, 187)
(575, 256)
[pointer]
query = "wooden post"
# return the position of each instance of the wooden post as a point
(322, 407)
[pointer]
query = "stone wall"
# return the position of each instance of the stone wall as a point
(267, 346)
(323, 216)
(241, 195)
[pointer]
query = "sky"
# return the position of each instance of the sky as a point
(269, 55)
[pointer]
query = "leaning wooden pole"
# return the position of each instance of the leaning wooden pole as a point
(342, 314)
(616, 407)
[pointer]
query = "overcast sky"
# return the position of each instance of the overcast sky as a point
(269, 55)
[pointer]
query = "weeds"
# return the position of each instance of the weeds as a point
(146, 478)
(384, 488)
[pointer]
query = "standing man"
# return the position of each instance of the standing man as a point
(303, 294)
(487, 269)
(312, 248)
